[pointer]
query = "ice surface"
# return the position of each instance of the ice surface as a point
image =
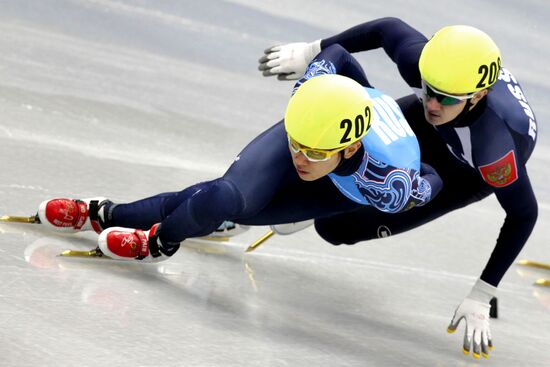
(131, 98)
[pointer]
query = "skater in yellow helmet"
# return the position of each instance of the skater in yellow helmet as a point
(331, 154)
(474, 126)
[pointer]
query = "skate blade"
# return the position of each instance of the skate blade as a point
(214, 238)
(534, 264)
(14, 219)
(543, 282)
(79, 253)
(259, 241)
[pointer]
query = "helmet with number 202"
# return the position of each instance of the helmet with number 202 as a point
(460, 59)
(328, 112)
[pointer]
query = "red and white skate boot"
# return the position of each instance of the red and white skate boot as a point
(134, 244)
(71, 215)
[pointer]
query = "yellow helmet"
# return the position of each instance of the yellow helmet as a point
(328, 112)
(460, 59)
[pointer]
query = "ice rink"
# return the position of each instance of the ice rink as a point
(127, 99)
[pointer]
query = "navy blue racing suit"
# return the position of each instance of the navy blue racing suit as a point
(262, 186)
(484, 151)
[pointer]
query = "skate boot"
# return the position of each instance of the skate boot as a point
(134, 244)
(228, 229)
(72, 215)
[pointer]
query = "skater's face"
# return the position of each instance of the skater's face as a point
(438, 114)
(441, 108)
(311, 171)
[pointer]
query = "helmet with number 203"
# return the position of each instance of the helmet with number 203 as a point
(460, 59)
(328, 112)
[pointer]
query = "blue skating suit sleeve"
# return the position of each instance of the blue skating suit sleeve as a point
(389, 176)
(402, 43)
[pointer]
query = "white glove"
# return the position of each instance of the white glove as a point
(288, 61)
(475, 312)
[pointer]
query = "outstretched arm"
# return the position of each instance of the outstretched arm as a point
(521, 209)
(400, 41)
(520, 205)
